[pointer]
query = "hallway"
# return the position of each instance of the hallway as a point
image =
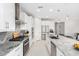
(38, 49)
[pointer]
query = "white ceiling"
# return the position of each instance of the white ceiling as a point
(51, 10)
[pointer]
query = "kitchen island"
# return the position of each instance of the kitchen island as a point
(65, 45)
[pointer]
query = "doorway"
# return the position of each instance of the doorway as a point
(59, 28)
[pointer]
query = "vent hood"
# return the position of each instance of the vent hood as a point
(17, 11)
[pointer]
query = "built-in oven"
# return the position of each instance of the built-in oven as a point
(25, 46)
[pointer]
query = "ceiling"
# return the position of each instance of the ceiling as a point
(51, 10)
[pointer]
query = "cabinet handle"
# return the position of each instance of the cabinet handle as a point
(7, 25)
(26, 43)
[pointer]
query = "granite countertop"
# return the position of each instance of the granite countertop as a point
(9, 46)
(65, 45)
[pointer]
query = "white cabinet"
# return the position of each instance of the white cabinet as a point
(22, 19)
(48, 45)
(18, 51)
(26, 21)
(55, 51)
(58, 52)
(7, 17)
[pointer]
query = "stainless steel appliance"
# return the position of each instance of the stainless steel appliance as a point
(25, 46)
(44, 31)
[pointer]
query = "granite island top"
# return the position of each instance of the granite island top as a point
(65, 45)
(9, 46)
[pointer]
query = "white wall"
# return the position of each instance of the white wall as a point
(37, 29)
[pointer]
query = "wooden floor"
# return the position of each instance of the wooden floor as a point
(38, 49)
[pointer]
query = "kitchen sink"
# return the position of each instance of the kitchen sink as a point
(53, 37)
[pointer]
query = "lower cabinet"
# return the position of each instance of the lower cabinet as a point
(18, 51)
(48, 45)
(59, 53)
(55, 51)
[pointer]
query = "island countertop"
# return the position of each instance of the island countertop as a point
(65, 45)
(9, 46)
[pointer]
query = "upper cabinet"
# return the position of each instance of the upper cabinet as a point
(26, 21)
(7, 17)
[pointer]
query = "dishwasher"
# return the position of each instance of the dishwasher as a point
(25, 46)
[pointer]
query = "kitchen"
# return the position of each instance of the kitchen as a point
(26, 29)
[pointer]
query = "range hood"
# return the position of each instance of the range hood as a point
(17, 11)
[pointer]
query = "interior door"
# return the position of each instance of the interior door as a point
(59, 28)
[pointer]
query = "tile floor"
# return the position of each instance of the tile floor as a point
(38, 49)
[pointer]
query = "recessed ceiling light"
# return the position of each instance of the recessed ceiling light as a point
(50, 10)
(38, 10)
(58, 10)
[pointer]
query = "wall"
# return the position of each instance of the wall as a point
(37, 29)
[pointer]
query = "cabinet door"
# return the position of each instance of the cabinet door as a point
(7, 16)
(59, 53)
(1, 17)
(48, 43)
(53, 49)
(18, 51)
